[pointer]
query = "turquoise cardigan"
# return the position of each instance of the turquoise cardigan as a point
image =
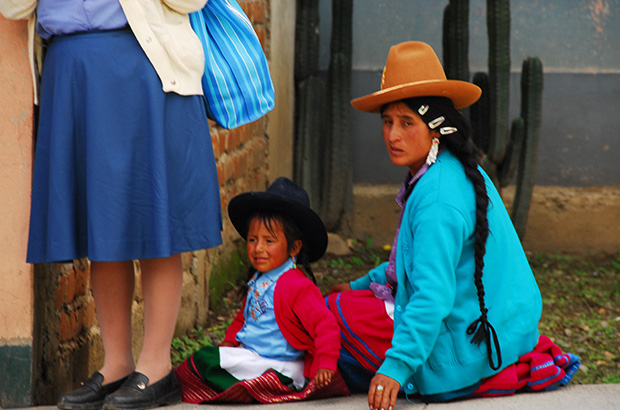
(436, 297)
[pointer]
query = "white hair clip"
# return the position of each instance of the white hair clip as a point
(423, 108)
(447, 130)
(436, 122)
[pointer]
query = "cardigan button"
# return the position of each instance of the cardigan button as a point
(398, 308)
(148, 39)
(410, 386)
(173, 82)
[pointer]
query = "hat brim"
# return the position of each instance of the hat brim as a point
(315, 234)
(462, 94)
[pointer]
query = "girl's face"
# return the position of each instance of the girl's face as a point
(407, 138)
(268, 249)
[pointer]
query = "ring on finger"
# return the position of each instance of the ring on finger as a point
(379, 388)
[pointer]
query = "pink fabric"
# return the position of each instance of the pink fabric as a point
(544, 368)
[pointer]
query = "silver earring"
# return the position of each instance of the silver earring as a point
(432, 154)
(423, 108)
(436, 122)
(447, 130)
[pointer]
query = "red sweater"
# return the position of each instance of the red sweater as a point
(303, 319)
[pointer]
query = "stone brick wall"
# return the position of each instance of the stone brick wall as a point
(67, 343)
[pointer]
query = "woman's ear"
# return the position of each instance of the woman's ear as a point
(295, 248)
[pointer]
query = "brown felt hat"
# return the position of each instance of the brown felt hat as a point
(413, 70)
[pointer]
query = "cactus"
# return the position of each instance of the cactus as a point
(310, 100)
(479, 114)
(456, 40)
(309, 131)
(498, 26)
(306, 39)
(531, 107)
(338, 179)
(505, 152)
(508, 167)
(323, 164)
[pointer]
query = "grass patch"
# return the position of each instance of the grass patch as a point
(581, 300)
(183, 347)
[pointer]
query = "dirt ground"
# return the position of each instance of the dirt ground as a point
(561, 219)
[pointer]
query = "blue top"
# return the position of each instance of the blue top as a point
(56, 17)
(261, 333)
(436, 297)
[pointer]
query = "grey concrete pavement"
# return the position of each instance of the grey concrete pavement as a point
(573, 397)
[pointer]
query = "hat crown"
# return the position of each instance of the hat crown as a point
(413, 70)
(288, 189)
(411, 62)
(286, 197)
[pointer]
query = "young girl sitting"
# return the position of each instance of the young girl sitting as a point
(284, 343)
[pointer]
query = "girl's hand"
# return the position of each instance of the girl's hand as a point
(341, 287)
(323, 377)
(226, 344)
(382, 392)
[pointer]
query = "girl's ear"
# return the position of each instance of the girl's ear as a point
(295, 248)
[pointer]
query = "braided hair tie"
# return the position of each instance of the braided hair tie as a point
(483, 330)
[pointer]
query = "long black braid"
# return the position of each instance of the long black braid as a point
(461, 145)
(292, 232)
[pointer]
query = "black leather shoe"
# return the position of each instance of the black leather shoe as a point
(136, 393)
(90, 395)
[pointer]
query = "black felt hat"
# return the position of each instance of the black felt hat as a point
(285, 196)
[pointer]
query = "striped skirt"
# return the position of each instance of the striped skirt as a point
(238, 375)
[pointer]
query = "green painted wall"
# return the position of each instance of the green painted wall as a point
(15, 374)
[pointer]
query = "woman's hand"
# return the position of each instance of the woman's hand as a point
(341, 287)
(323, 377)
(382, 392)
(226, 344)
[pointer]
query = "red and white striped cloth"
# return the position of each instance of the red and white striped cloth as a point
(264, 389)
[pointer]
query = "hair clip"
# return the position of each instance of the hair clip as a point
(447, 130)
(436, 122)
(423, 108)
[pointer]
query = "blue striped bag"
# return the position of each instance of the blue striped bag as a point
(236, 83)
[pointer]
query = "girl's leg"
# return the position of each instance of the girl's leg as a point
(113, 287)
(162, 284)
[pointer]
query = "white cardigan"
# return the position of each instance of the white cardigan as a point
(161, 27)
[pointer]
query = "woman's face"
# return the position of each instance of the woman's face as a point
(407, 138)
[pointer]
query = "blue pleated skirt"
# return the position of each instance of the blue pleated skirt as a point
(122, 170)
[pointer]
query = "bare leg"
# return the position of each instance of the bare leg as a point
(113, 287)
(162, 285)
